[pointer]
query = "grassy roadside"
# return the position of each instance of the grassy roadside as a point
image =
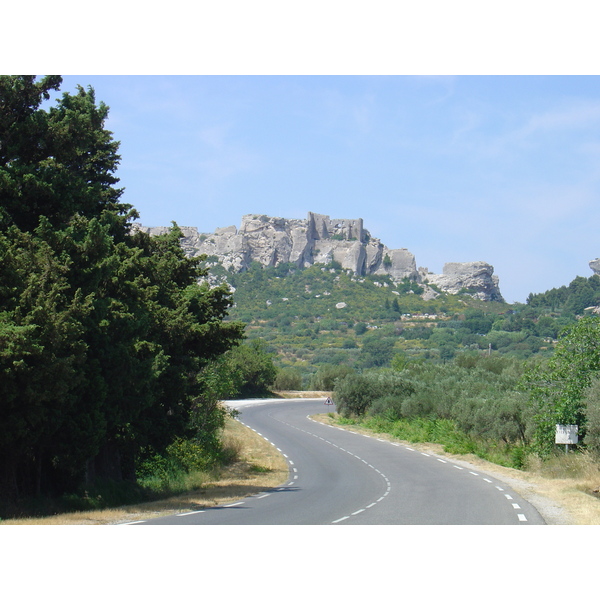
(565, 490)
(260, 467)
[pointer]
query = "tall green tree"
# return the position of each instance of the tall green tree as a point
(104, 330)
(57, 162)
(557, 388)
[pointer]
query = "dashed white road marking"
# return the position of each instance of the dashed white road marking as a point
(234, 504)
(192, 512)
(520, 516)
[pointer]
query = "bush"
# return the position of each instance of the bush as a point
(592, 411)
(326, 376)
(355, 394)
(288, 379)
(506, 418)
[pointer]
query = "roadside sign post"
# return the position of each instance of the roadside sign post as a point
(566, 434)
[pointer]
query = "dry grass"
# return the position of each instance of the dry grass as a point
(260, 468)
(301, 394)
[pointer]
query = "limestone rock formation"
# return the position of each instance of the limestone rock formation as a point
(475, 278)
(595, 266)
(321, 240)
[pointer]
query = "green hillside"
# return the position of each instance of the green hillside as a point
(326, 315)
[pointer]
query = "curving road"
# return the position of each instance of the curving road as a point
(339, 477)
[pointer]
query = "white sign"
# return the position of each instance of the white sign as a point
(566, 434)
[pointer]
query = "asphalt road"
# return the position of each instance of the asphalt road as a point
(342, 478)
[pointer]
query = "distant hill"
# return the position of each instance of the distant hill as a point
(328, 307)
(325, 315)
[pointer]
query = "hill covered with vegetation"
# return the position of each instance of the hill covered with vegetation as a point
(325, 315)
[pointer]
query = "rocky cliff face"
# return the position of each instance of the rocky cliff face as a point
(320, 240)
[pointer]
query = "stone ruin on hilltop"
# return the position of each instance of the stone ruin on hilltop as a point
(320, 240)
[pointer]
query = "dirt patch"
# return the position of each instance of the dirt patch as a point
(301, 394)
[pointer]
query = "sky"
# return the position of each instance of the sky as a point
(496, 168)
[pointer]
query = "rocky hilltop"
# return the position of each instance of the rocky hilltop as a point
(321, 240)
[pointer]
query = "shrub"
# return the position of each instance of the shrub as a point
(326, 376)
(288, 379)
(592, 411)
(355, 394)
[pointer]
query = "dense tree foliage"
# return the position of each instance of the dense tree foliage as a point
(558, 388)
(104, 331)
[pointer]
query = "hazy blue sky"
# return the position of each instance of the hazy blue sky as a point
(504, 169)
